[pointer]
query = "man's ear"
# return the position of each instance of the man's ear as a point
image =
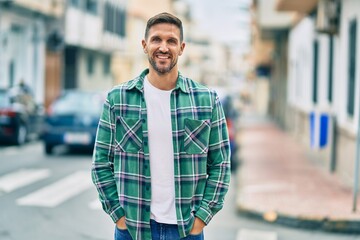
(182, 47)
(143, 43)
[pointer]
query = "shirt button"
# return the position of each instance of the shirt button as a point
(145, 143)
(143, 120)
(147, 209)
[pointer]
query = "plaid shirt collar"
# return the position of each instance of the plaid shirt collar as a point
(138, 82)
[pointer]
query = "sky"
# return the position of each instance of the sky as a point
(226, 21)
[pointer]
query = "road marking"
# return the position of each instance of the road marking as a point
(22, 177)
(95, 205)
(248, 234)
(10, 151)
(58, 192)
(15, 150)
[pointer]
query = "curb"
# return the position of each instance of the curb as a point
(314, 223)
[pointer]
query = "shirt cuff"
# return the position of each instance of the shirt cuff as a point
(204, 214)
(117, 214)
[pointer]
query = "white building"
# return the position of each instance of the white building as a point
(93, 31)
(324, 79)
(23, 36)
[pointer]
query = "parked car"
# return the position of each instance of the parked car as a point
(72, 120)
(232, 115)
(20, 117)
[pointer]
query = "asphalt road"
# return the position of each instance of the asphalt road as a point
(44, 197)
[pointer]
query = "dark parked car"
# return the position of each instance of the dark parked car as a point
(72, 120)
(20, 117)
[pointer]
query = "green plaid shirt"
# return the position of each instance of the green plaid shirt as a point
(121, 167)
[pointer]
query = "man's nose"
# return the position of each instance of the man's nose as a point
(163, 47)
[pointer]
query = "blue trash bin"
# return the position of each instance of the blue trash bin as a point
(319, 129)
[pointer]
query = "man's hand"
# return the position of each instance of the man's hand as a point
(197, 227)
(120, 224)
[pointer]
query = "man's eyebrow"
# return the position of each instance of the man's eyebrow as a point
(158, 36)
(173, 38)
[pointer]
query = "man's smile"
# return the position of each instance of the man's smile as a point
(162, 56)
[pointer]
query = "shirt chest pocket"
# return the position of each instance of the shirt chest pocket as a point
(128, 134)
(196, 136)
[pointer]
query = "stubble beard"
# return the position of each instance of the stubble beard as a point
(162, 70)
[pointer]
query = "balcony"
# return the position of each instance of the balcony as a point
(54, 8)
(296, 5)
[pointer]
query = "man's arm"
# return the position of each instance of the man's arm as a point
(218, 166)
(102, 171)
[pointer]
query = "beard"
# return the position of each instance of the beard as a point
(162, 69)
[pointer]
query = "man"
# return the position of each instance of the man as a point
(161, 159)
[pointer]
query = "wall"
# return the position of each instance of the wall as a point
(22, 29)
(300, 65)
(98, 80)
(347, 127)
(82, 29)
(300, 89)
(350, 11)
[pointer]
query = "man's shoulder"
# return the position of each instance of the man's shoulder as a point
(118, 90)
(121, 86)
(195, 86)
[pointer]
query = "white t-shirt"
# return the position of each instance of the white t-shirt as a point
(161, 154)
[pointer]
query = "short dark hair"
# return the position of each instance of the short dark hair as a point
(164, 18)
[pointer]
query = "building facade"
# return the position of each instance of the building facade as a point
(24, 34)
(93, 31)
(324, 84)
(268, 59)
(315, 80)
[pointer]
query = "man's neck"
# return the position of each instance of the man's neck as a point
(163, 81)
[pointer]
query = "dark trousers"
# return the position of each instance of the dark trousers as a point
(159, 231)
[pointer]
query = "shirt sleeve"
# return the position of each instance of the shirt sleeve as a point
(102, 171)
(218, 166)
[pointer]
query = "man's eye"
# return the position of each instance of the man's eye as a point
(156, 40)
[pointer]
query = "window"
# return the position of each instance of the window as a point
(121, 18)
(16, 29)
(107, 64)
(90, 64)
(108, 21)
(315, 71)
(75, 3)
(331, 74)
(115, 20)
(71, 67)
(123, 22)
(91, 6)
(351, 68)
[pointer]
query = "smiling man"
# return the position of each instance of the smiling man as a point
(161, 161)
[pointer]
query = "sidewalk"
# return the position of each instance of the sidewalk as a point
(277, 183)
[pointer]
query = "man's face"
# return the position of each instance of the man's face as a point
(163, 47)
